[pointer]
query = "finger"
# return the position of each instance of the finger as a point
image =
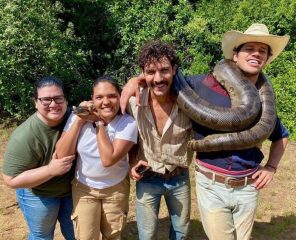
(67, 167)
(134, 173)
(268, 182)
(54, 155)
(83, 104)
(96, 114)
(142, 163)
(258, 181)
(261, 182)
(91, 106)
(142, 80)
(123, 101)
(261, 185)
(256, 174)
(137, 177)
(70, 158)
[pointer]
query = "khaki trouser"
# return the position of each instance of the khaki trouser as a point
(98, 211)
(226, 213)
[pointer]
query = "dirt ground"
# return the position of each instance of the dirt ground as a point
(275, 219)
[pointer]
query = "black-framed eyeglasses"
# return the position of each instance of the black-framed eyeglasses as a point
(46, 101)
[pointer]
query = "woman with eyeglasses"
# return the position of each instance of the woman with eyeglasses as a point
(101, 140)
(41, 180)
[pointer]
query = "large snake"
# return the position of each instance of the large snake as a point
(246, 105)
(244, 97)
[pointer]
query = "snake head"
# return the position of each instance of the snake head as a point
(81, 110)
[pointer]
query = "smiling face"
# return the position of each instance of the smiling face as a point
(159, 76)
(106, 100)
(251, 59)
(53, 113)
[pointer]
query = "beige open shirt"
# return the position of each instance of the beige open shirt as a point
(168, 150)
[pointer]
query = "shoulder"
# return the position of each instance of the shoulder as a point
(124, 120)
(192, 80)
(26, 130)
(23, 148)
(126, 117)
(125, 127)
(69, 121)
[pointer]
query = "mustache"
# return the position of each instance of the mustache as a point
(159, 83)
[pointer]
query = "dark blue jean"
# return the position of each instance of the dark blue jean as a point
(42, 214)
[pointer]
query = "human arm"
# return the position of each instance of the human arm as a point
(111, 152)
(35, 177)
(66, 145)
(115, 140)
(132, 88)
(265, 174)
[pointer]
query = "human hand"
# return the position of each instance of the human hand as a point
(132, 88)
(100, 119)
(263, 177)
(134, 173)
(59, 166)
(85, 111)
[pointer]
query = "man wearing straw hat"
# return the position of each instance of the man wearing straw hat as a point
(228, 211)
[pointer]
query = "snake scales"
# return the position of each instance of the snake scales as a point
(236, 121)
(81, 111)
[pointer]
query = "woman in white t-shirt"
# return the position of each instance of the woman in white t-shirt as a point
(101, 141)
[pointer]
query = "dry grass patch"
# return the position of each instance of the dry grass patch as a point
(275, 219)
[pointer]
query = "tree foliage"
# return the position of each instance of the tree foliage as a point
(32, 45)
(79, 40)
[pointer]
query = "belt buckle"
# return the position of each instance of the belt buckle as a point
(226, 181)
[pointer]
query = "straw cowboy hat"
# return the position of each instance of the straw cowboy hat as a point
(255, 33)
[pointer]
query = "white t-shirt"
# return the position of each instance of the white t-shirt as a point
(89, 168)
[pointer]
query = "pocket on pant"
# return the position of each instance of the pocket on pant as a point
(123, 219)
(119, 222)
(202, 181)
(112, 229)
(74, 218)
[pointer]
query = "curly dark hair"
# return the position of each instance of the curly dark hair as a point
(156, 50)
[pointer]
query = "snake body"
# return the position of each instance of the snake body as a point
(244, 97)
(225, 72)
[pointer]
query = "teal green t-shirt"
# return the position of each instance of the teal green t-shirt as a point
(30, 146)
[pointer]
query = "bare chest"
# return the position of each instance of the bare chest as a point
(161, 115)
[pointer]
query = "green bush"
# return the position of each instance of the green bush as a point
(33, 46)
(213, 18)
(78, 40)
(285, 89)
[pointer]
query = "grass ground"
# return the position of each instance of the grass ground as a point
(275, 218)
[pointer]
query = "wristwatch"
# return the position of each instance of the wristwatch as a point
(98, 123)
